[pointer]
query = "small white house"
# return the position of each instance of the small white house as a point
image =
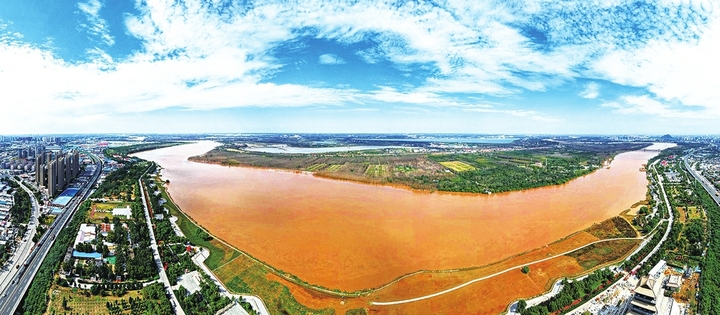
(126, 212)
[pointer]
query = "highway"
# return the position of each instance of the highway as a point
(14, 293)
(156, 254)
(24, 247)
(705, 183)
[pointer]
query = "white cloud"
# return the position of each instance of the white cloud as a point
(330, 59)
(647, 105)
(531, 114)
(95, 25)
(686, 72)
(591, 91)
(196, 58)
(391, 95)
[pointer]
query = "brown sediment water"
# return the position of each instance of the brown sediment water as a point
(350, 236)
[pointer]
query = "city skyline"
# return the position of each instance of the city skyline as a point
(617, 67)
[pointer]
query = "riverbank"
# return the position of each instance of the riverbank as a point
(249, 193)
(486, 173)
(243, 274)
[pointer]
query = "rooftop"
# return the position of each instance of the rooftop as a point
(190, 281)
(122, 212)
(77, 254)
(86, 233)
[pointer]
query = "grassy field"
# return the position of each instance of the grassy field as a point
(103, 210)
(616, 227)
(457, 166)
(243, 275)
(690, 213)
(332, 168)
(110, 205)
(79, 303)
(603, 253)
(694, 213)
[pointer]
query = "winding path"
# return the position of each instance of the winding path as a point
(537, 261)
(499, 273)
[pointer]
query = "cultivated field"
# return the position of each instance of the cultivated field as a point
(79, 302)
(472, 172)
(376, 170)
(457, 166)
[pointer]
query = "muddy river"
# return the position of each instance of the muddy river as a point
(351, 236)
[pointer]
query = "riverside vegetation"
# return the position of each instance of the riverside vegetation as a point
(482, 172)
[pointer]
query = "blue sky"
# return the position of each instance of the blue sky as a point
(162, 66)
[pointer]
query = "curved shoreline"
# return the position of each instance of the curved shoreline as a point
(364, 292)
(395, 185)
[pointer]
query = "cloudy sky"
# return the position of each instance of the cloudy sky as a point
(517, 66)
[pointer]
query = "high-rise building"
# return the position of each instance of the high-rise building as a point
(76, 164)
(67, 164)
(56, 171)
(52, 175)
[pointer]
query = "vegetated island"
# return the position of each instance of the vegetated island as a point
(488, 170)
(122, 152)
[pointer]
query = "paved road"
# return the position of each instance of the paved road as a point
(156, 254)
(587, 304)
(709, 187)
(14, 293)
(257, 303)
(24, 247)
(670, 216)
(496, 274)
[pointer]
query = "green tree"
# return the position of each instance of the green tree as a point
(525, 270)
(521, 305)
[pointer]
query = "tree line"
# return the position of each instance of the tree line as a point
(573, 293)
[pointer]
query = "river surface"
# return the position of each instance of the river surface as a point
(350, 236)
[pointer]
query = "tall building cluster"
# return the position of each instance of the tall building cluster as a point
(55, 171)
